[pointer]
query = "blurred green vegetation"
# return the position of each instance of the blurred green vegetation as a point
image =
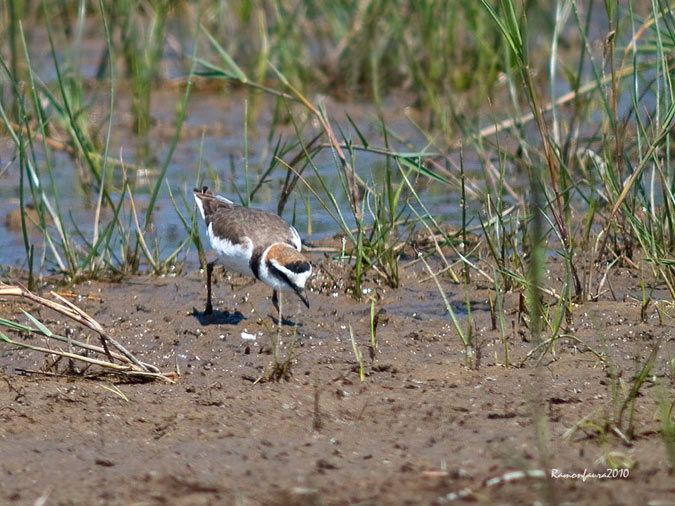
(447, 54)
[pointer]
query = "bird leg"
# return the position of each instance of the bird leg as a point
(277, 301)
(209, 271)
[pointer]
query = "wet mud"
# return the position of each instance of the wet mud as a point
(421, 428)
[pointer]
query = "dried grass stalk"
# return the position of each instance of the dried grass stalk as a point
(129, 366)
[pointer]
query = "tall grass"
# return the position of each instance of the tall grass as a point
(631, 141)
(137, 40)
(46, 107)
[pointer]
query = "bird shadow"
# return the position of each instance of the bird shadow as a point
(285, 321)
(218, 317)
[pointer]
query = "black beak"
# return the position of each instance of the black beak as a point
(302, 295)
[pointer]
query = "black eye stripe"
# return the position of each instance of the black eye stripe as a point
(299, 266)
(279, 273)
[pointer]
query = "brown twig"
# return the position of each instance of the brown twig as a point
(510, 123)
(68, 148)
(291, 178)
(72, 295)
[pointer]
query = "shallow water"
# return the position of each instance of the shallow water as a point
(214, 131)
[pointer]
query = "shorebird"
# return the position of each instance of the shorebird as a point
(255, 243)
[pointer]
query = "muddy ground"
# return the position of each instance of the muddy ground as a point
(419, 428)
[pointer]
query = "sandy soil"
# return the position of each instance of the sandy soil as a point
(419, 428)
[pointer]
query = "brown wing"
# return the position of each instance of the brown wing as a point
(233, 222)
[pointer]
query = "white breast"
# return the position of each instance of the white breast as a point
(234, 257)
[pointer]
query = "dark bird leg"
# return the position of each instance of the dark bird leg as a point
(277, 304)
(275, 300)
(209, 271)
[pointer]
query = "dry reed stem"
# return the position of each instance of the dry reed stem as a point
(132, 365)
(347, 169)
(68, 148)
(510, 123)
